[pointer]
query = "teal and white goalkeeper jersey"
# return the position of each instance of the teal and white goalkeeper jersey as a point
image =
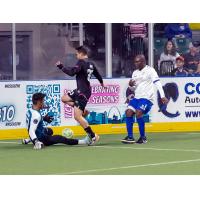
(35, 124)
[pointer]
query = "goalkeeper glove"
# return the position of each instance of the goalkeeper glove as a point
(48, 118)
(38, 144)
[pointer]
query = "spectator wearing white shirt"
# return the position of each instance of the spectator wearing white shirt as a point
(169, 54)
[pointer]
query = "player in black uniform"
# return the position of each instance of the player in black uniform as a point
(79, 97)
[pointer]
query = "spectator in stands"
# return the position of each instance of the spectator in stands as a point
(178, 30)
(180, 71)
(139, 40)
(192, 58)
(138, 30)
(159, 29)
(169, 53)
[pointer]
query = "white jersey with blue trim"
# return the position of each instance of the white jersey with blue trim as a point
(144, 83)
(35, 125)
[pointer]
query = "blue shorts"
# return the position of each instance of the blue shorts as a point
(140, 104)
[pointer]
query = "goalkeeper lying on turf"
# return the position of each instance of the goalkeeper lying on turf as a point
(41, 136)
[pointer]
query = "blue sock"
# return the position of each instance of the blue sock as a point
(141, 125)
(129, 126)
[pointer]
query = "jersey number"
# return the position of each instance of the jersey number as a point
(143, 107)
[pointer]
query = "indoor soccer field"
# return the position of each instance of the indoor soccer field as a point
(165, 153)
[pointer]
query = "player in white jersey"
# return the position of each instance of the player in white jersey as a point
(40, 135)
(143, 80)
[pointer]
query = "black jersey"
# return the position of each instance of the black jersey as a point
(83, 71)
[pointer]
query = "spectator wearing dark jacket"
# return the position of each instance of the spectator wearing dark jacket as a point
(178, 30)
(192, 58)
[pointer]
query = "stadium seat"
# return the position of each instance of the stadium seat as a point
(182, 44)
(159, 45)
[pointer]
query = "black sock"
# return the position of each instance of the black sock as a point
(90, 132)
(71, 141)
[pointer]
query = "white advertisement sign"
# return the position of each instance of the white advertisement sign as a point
(184, 101)
(106, 105)
(12, 105)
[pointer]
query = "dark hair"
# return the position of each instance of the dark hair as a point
(82, 49)
(37, 97)
(173, 51)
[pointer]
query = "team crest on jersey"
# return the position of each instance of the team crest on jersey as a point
(35, 121)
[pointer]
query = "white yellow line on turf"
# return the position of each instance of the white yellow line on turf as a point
(131, 166)
(5, 142)
(147, 148)
(112, 147)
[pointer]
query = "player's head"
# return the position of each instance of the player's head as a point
(38, 100)
(140, 62)
(82, 52)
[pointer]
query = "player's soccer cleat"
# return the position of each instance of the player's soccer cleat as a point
(142, 140)
(26, 141)
(85, 113)
(93, 140)
(128, 140)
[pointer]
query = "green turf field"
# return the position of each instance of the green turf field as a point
(165, 153)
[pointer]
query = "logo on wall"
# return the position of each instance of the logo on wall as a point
(172, 94)
(52, 100)
(7, 115)
(111, 116)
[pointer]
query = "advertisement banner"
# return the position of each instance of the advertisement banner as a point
(12, 105)
(184, 101)
(106, 105)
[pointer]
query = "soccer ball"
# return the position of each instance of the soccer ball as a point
(68, 133)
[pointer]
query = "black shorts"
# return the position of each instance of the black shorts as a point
(48, 132)
(49, 139)
(80, 100)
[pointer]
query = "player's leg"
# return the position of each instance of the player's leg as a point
(141, 124)
(70, 98)
(59, 139)
(83, 122)
(67, 100)
(144, 107)
(129, 126)
(130, 112)
(79, 108)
